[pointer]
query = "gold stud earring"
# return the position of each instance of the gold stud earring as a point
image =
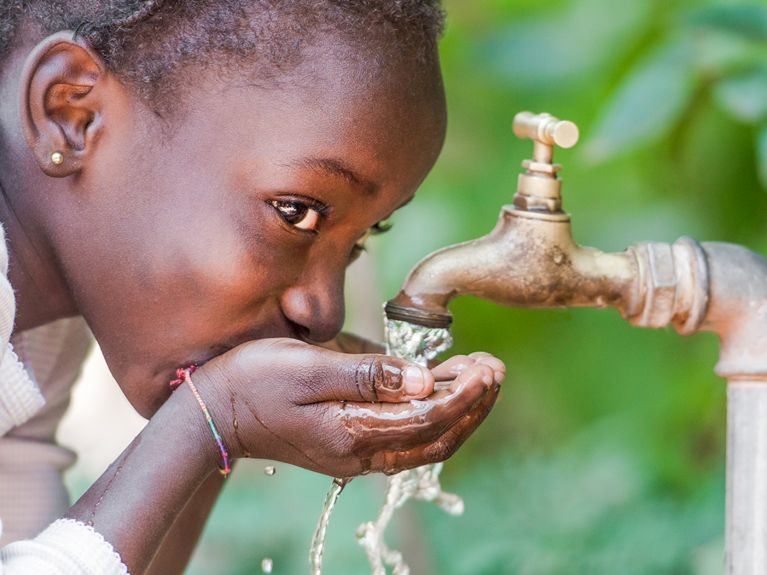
(57, 158)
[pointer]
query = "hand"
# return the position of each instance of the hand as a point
(345, 415)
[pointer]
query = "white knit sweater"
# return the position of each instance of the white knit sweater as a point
(34, 392)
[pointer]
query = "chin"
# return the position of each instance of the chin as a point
(146, 385)
(145, 389)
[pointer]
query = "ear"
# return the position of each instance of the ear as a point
(61, 103)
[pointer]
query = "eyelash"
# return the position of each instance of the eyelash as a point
(301, 207)
(282, 205)
(376, 230)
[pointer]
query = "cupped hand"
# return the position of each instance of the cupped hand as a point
(345, 414)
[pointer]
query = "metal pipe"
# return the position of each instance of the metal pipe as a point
(746, 529)
(737, 311)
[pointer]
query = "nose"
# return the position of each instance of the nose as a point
(316, 305)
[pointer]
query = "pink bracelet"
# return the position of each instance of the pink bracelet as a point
(185, 375)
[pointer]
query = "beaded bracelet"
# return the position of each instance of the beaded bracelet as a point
(185, 375)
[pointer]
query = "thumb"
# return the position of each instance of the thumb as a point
(367, 377)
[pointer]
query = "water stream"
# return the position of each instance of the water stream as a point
(419, 344)
(320, 532)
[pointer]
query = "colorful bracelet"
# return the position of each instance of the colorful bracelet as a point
(185, 375)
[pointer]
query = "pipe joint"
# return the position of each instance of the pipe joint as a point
(671, 285)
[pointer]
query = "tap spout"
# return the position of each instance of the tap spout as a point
(528, 260)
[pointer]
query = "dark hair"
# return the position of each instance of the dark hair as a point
(146, 42)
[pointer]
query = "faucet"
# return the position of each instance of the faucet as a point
(531, 260)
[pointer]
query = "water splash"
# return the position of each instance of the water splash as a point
(421, 483)
(318, 539)
(419, 344)
(415, 342)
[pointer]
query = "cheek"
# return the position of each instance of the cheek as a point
(233, 265)
(224, 246)
(214, 289)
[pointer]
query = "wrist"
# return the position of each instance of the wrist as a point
(216, 408)
(185, 423)
(151, 481)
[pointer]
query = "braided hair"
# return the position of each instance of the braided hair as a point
(146, 42)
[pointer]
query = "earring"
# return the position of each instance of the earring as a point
(57, 158)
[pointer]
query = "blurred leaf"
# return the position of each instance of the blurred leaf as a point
(761, 154)
(590, 506)
(718, 55)
(745, 95)
(569, 44)
(647, 104)
(746, 20)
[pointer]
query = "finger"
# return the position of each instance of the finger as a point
(498, 367)
(484, 372)
(443, 447)
(452, 367)
(381, 426)
(337, 376)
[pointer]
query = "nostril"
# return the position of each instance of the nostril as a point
(316, 336)
(300, 331)
(314, 315)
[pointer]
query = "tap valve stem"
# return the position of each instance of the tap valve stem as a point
(538, 189)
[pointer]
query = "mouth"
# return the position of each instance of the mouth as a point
(290, 330)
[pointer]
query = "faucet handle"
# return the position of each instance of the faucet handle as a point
(546, 131)
(538, 189)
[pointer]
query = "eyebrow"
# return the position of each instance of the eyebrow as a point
(339, 168)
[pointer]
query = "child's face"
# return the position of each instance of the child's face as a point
(241, 223)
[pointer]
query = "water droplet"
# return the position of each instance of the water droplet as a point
(270, 470)
(266, 565)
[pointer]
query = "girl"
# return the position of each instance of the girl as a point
(192, 178)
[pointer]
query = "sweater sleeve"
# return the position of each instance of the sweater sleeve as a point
(66, 547)
(20, 398)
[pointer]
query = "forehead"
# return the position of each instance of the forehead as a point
(385, 118)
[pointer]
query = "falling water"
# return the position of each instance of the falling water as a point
(419, 344)
(318, 539)
(415, 342)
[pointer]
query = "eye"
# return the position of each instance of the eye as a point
(299, 214)
(380, 228)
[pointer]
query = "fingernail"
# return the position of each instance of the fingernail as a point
(414, 380)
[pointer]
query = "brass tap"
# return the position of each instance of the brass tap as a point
(530, 259)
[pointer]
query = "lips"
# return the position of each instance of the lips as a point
(286, 329)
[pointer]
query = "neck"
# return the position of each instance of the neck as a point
(41, 293)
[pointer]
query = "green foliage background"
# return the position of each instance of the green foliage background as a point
(606, 453)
